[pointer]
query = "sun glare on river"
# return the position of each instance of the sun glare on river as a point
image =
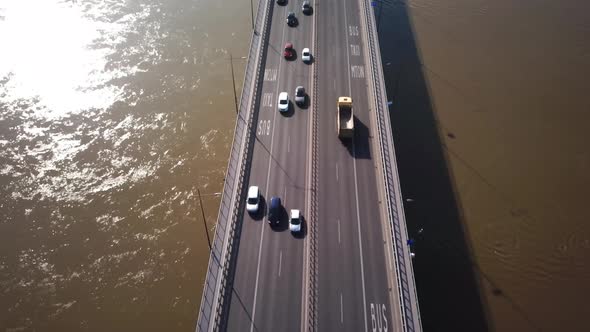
(49, 55)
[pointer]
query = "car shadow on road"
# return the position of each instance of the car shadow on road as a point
(361, 148)
(303, 232)
(258, 215)
(450, 298)
(283, 223)
(290, 111)
(293, 57)
(305, 104)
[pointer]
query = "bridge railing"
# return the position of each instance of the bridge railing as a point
(404, 272)
(217, 286)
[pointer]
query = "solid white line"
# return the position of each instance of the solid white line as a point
(336, 171)
(285, 195)
(338, 230)
(341, 311)
(266, 195)
(358, 218)
(334, 85)
(288, 144)
(280, 261)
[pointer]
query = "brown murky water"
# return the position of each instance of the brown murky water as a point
(498, 92)
(112, 115)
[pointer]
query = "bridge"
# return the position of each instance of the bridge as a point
(349, 269)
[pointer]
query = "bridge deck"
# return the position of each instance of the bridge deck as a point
(348, 270)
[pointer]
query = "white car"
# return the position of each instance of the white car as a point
(295, 221)
(253, 201)
(306, 55)
(283, 102)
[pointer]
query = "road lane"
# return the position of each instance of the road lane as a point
(356, 264)
(279, 165)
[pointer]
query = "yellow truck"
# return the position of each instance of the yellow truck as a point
(345, 117)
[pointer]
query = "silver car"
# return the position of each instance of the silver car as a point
(300, 96)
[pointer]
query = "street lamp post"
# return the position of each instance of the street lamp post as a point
(252, 14)
(233, 79)
(204, 222)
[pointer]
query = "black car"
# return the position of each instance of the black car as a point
(281, 2)
(274, 211)
(306, 8)
(291, 19)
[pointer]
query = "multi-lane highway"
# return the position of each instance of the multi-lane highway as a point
(356, 278)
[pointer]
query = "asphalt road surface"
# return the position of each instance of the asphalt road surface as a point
(356, 286)
(269, 282)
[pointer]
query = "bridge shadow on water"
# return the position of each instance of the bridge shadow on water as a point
(447, 282)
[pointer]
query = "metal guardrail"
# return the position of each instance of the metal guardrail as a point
(313, 257)
(216, 290)
(394, 204)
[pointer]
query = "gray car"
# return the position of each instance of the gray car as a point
(300, 96)
(306, 8)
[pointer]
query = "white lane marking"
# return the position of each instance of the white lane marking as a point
(338, 230)
(266, 195)
(358, 218)
(336, 171)
(341, 311)
(334, 85)
(280, 261)
(285, 195)
(288, 144)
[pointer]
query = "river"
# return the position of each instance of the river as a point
(114, 115)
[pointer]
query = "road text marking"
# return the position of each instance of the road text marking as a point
(267, 99)
(353, 30)
(378, 317)
(270, 74)
(355, 50)
(263, 128)
(357, 71)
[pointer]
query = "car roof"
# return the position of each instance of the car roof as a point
(289, 45)
(283, 95)
(253, 191)
(306, 49)
(295, 214)
(275, 202)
